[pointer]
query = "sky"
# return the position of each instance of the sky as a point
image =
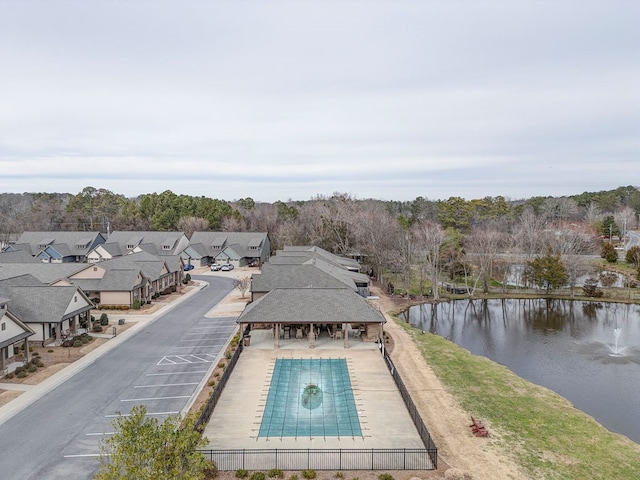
(289, 100)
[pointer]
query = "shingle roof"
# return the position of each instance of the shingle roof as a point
(45, 272)
(37, 304)
(240, 241)
(294, 276)
(306, 305)
(78, 243)
(175, 241)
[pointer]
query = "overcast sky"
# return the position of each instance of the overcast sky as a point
(279, 100)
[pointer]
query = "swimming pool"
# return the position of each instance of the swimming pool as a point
(310, 397)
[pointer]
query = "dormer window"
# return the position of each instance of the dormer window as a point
(166, 247)
(130, 246)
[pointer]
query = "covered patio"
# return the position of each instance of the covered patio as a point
(309, 316)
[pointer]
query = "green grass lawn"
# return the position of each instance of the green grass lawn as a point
(541, 430)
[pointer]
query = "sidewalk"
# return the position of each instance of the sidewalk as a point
(34, 392)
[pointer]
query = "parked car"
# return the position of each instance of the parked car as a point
(215, 267)
(188, 267)
(226, 267)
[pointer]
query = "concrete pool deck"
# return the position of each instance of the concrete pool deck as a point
(383, 416)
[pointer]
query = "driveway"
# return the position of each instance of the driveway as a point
(162, 366)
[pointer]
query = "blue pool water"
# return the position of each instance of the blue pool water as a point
(310, 397)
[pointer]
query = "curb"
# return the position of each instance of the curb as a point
(36, 391)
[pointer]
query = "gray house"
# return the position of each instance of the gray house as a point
(50, 312)
(122, 243)
(238, 248)
(13, 332)
(58, 247)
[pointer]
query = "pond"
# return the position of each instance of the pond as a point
(588, 352)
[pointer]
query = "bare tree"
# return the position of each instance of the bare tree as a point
(242, 284)
(188, 225)
(574, 246)
(482, 247)
(377, 233)
(528, 235)
(624, 218)
(593, 214)
(428, 239)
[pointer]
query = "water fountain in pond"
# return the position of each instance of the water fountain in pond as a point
(616, 351)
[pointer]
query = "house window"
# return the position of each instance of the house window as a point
(75, 298)
(130, 246)
(95, 269)
(4, 326)
(166, 247)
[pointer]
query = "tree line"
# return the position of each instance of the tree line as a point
(421, 241)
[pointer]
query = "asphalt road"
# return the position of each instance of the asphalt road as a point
(161, 366)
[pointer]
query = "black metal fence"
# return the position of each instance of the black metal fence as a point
(212, 401)
(413, 411)
(322, 459)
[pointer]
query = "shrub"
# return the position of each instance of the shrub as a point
(9, 376)
(77, 343)
(36, 354)
(97, 328)
(276, 472)
(49, 351)
(19, 370)
(294, 477)
(228, 355)
(222, 365)
(136, 304)
(242, 473)
(22, 374)
(32, 368)
(38, 362)
(385, 476)
(339, 475)
(258, 476)
(210, 471)
(309, 473)
(104, 319)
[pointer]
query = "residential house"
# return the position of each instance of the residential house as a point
(13, 333)
(237, 248)
(124, 280)
(57, 247)
(120, 243)
(50, 312)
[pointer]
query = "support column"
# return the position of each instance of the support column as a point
(311, 336)
(26, 350)
(276, 330)
(345, 331)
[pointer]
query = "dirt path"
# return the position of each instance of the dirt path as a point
(465, 455)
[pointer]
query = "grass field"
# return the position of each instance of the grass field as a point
(548, 437)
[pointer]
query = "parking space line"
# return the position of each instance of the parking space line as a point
(99, 434)
(149, 399)
(201, 346)
(148, 414)
(83, 455)
(174, 373)
(166, 385)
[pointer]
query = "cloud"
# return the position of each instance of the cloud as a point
(288, 99)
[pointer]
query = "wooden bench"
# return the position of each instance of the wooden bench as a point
(478, 429)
